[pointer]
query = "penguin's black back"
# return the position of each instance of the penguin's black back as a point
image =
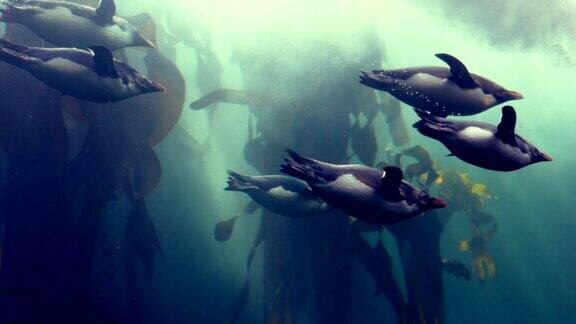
(75, 8)
(488, 86)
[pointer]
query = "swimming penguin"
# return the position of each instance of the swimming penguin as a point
(69, 24)
(484, 145)
(92, 75)
(279, 194)
(440, 91)
(365, 193)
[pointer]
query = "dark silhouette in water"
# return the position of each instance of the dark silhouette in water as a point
(378, 263)
(141, 233)
(223, 230)
(364, 144)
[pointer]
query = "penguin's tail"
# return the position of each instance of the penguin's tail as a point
(299, 158)
(4, 44)
(432, 126)
(301, 167)
(296, 170)
(376, 80)
(239, 182)
(15, 54)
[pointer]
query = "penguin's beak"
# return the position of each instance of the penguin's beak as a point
(156, 87)
(545, 157)
(151, 86)
(515, 95)
(436, 203)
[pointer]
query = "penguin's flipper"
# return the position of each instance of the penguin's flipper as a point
(391, 182)
(104, 62)
(507, 127)
(17, 58)
(460, 74)
(105, 12)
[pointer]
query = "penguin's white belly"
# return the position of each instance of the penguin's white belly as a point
(347, 192)
(473, 139)
(80, 81)
(477, 134)
(282, 194)
(61, 27)
(285, 202)
(424, 88)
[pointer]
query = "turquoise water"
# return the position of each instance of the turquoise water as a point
(298, 63)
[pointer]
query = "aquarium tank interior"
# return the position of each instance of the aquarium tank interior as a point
(287, 162)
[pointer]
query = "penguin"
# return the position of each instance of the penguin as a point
(440, 91)
(496, 148)
(367, 194)
(92, 75)
(279, 194)
(69, 24)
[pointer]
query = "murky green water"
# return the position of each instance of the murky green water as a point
(290, 70)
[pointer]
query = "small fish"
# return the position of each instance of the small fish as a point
(456, 268)
(480, 218)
